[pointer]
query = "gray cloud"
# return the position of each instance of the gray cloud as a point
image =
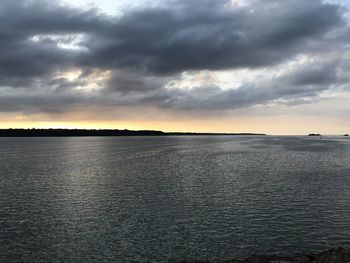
(146, 49)
(298, 86)
(127, 82)
(181, 36)
(20, 21)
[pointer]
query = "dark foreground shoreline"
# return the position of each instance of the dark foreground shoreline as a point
(105, 132)
(335, 255)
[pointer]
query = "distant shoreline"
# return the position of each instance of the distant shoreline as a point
(106, 133)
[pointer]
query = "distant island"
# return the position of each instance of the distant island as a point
(314, 134)
(320, 135)
(102, 132)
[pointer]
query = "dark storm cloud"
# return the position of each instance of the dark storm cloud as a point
(192, 35)
(61, 84)
(127, 82)
(298, 86)
(147, 49)
(128, 89)
(316, 75)
(320, 73)
(215, 98)
(20, 21)
(183, 35)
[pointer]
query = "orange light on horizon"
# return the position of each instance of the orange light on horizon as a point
(274, 125)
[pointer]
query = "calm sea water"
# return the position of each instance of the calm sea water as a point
(160, 199)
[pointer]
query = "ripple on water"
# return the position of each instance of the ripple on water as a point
(162, 198)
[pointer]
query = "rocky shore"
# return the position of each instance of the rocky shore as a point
(337, 255)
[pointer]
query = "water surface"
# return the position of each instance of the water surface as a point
(158, 199)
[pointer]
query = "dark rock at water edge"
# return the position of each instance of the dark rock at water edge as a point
(336, 255)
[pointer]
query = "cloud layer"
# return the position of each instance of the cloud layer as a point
(54, 58)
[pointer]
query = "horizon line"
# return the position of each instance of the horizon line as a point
(163, 132)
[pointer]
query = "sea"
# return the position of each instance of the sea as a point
(172, 198)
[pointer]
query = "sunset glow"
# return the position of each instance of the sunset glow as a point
(121, 65)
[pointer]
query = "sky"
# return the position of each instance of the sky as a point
(270, 66)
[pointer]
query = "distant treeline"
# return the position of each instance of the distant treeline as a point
(85, 132)
(73, 132)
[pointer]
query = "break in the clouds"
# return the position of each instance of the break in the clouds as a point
(188, 55)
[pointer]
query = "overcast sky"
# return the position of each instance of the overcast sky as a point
(279, 67)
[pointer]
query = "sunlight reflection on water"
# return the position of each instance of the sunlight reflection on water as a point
(171, 198)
